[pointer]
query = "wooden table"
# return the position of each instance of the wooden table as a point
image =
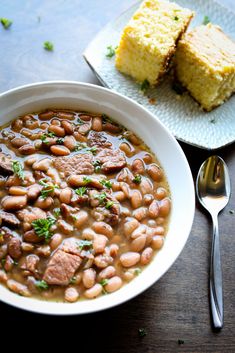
(176, 307)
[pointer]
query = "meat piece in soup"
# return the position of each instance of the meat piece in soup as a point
(84, 205)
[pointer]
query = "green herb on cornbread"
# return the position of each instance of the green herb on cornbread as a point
(144, 85)
(231, 211)
(206, 20)
(49, 46)
(110, 51)
(6, 22)
(176, 18)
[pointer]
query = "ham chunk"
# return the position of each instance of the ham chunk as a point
(111, 160)
(9, 218)
(78, 164)
(61, 268)
(98, 139)
(5, 164)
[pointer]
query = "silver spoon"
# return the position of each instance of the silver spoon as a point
(213, 191)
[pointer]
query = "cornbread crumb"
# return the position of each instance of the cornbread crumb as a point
(149, 40)
(205, 65)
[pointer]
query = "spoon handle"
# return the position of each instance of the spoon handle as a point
(216, 285)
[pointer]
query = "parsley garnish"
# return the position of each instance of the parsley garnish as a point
(72, 280)
(137, 179)
(110, 51)
(137, 271)
(57, 212)
(106, 183)
(104, 281)
(142, 332)
(144, 85)
(44, 136)
(42, 227)
(60, 141)
(48, 46)
(84, 244)
(80, 121)
(5, 22)
(86, 180)
(41, 285)
(47, 188)
(109, 204)
(97, 166)
(18, 169)
(82, 146)
(81, 191)
(206, 20)
(101, 197)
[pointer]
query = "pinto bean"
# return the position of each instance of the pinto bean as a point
(160, 193)
(57, 130)
(113, 284)
(27, 149)
(146, 186)
(30, 122)
(65, 227)
(119, 196)
(113, 250)
(81, 219)
(139, 243)
(56, 122)
(43, 251)
(102, 261)
(99, 243)
(31, 237)
(14, 248)
(147, 158)
(9, 263)
(94, 291)
(154, 209)
(18, 288)
(146, 256)
(19, 142)
(59, 150)
(136, 199)
(30, 161)
(88, 234)
(70, 142)
(140, 213)
(14, 203)
(65, 115)
(88, 278)
(107, 272)
(126, 189)
(17, 191)
(97, 123)
(71, 295)
(66, 195)
(127, 148)
(3, 276)
(139, 231)
(3, 251)
(138, 166)
(155, 172)
(129, 259)
(44, 203)
(56, 240)
(17, 125)
(157, 242)
(43, 164)
(33, 192)
(84, 129)
(164, 207)
(130, 226)
(46, 115)
(68, 127)
(26, 247)
(147, 199)
(103, 228)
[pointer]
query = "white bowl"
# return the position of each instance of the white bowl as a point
(73, 95)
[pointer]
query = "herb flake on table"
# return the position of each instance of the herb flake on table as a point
(206, 20)
(231, 211)
(180, 342)
(5, 22)
(18, 169)
(49, 46)
(41, 285)
(110, 51)
(142, 332)
(42, 227)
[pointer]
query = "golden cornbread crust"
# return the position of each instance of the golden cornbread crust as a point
(205, 65)
(149, 40)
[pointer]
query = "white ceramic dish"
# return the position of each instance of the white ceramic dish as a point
(183, 117)
(74, 95)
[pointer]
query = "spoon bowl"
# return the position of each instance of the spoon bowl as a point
(213, 191)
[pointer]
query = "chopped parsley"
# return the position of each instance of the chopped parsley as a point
(80, 121)
(42, 227)
(137, 179)
(104, 281)
(97, 166)
(47, 188)
(86, 180)
(110, 51)
(137, 271)
(82, 146)
(57, 212)
(81, 191)
(144, 85)
(72, 280)
(18, 169)
(5, 22)
(106, 183)
(48, 46)
(176, 18)
(106, 119)
(178, 88)
(3, 261)
(180, 341)
(206, 20)
(109, 204)
(44, 137)
(84, 244)
(101, 197)
(60, 141)
(142, 332)
(41, 285)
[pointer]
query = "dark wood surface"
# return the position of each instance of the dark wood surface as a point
(176, 307)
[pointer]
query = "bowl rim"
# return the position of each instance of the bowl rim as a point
(24, 303)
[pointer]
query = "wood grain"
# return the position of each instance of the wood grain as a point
(176, 307)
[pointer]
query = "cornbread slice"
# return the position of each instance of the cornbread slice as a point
(149, 39)
(205, 65)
